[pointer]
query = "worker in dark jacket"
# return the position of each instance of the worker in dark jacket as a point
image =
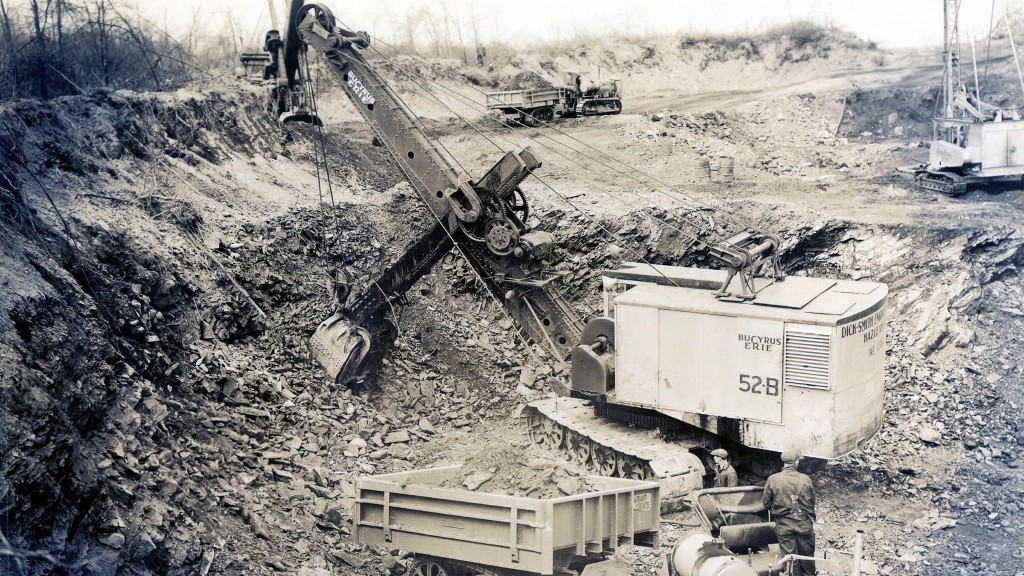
(725, 474)
(789, 497)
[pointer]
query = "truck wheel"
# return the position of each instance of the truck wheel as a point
(544, 115)
(431, 567)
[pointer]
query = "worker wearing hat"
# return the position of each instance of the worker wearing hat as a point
(725, 474)
(789, 498)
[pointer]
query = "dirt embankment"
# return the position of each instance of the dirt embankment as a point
(121, 290)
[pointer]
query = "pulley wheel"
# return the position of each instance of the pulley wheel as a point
(321, 14)
(518, 205)
(501, 236)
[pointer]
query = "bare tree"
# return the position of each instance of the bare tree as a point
(447, 29)
(462, 41)
(102, 33)
(49, 48)
(144, 45)
(433, 30)
(474, 25)
(60, 26)
(413, 19)
(234, 31)
(40, 42)
(8, 36)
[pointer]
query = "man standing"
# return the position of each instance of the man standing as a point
(789, 497)
(725, 474)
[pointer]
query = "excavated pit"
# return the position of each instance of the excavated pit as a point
(166, 257)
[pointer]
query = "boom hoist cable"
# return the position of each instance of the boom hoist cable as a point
(483, 131)
(747, 254)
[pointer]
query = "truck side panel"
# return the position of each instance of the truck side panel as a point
(410, 512)
(511, 101)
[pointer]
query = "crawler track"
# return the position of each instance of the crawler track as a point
(947, 183)
(600, 107)
(613, 449)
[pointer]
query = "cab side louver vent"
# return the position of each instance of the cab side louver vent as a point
(807, 354)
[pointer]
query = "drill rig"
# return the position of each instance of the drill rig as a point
(973, 142)
(281, 64)
(756, 359)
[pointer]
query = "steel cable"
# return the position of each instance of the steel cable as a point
(694, 238)
(565, 199)
(694, 205)
(479, 276)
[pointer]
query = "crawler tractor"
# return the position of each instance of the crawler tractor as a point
(579, 97)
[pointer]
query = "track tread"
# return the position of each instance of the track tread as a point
(577, 415)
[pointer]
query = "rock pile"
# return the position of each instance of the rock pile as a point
(512, 471)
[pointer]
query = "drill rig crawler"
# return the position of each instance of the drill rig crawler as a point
(280, 65)
(974, 142)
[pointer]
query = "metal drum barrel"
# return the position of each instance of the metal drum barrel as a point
(726, 165)
(703, 166)
(698, 554)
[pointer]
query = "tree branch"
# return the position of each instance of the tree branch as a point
(66, 79)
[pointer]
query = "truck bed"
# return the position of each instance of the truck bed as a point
(512, 101)
(409, 511)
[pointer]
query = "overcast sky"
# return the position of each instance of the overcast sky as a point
(891, 23)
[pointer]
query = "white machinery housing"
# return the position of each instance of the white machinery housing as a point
(802, 364)
(974, 142)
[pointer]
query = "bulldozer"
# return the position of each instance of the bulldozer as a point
(595, 97)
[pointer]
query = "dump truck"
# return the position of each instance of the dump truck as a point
(578, 97)
(454, 531)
